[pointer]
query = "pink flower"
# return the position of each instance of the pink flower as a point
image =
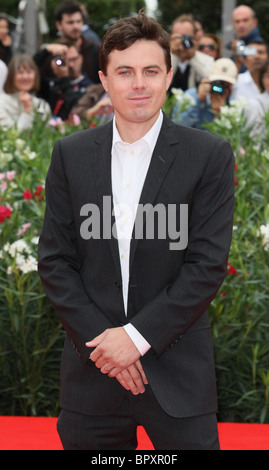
(76, 119)
(24, 228)
(10, 175)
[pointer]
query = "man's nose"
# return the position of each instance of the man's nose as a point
(139, 81)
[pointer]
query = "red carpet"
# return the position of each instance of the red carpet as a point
(20, 433)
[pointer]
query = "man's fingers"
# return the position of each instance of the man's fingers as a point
(121, 380)
(133, 379)
(141, 371)
(129, 382)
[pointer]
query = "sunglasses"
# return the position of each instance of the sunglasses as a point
(211, 47)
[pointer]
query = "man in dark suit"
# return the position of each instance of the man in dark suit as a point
(134, 247)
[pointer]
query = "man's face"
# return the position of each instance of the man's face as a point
(255, 62)
(180, 29)
(71, 25)
(74, 62)
(243, 21)
(136, 81)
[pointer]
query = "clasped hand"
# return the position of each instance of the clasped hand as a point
(115, 354)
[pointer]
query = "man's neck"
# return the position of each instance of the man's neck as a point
(130, 132)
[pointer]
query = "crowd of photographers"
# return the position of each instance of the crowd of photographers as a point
(61, 80)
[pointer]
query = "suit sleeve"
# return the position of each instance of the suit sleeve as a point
(59, 263)
(179, 305)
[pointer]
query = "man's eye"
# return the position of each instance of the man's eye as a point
(151, 72)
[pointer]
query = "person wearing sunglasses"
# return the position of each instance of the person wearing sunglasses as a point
(210, 44)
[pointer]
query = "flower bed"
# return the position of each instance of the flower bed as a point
(31, 337)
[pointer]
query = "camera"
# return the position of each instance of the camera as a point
(187, 41)
(59, 60)
(242, 49)
(218, 87)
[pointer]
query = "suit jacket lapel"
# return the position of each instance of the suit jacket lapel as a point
(102, 170)
(162, 159)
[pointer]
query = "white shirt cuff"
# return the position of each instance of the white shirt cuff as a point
(141, 343)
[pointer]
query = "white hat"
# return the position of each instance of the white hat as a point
(225, 70)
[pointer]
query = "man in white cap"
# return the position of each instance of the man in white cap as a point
(212, 93)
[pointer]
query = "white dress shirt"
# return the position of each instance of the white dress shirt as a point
(129, 166)
(245, 87)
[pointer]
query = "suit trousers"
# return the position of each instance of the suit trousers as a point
(118, 430)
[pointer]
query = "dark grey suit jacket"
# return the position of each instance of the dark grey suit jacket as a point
(169, 290)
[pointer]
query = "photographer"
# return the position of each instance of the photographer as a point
(190, 66)
(248, 83)
(69, 23)
(212, 93)
(245, 25)
(68, 84)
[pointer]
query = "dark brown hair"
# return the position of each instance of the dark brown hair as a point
(126, 31)
(17, 61)
(67, 8)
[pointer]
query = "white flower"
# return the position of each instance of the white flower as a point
(183, 98)
(264, 233)
(178, 92)
(26, 265)
(19, 246)
(31, 155)
(6, 246)
(5, 158)
(20, 144)
(234, 111)
(21, 253)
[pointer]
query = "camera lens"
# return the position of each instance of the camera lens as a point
(187, 41)
(60, 61)
(218, 87)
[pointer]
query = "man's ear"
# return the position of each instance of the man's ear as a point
(103, 79)
(58, 25)
(169, 78)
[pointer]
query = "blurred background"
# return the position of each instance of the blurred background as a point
(32, 21)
